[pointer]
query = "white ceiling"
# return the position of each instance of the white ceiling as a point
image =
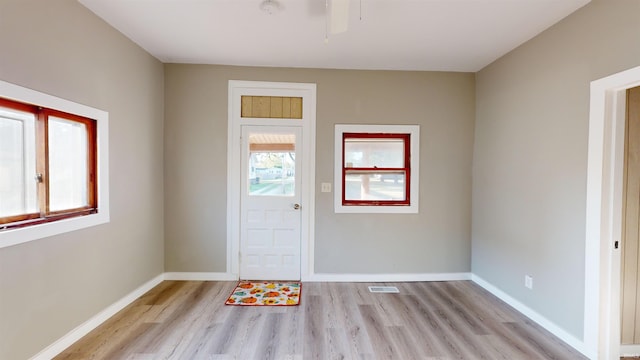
(440, 35)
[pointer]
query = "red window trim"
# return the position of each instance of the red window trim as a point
(406, 137)
(45, 215)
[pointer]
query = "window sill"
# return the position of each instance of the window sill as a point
(379, 209)
(11, 237)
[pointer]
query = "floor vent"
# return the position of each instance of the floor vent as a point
(384, 289)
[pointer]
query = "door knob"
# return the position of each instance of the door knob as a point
(296, 206)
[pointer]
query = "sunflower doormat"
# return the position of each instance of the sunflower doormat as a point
(265, 293)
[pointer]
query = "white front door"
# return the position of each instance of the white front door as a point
(270, 209)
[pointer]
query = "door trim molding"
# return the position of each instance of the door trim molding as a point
(307, 91)
(605, 164)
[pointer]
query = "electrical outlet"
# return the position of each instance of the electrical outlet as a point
(326, 187)
(528, 282)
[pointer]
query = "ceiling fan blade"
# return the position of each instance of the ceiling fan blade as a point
(339, 16)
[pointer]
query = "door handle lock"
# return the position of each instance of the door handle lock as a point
(296, 206)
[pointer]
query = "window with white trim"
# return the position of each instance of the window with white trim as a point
(53, 165)
(376, 168)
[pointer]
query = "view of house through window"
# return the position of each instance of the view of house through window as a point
(47, 164)
(272, 164)
(375, 168)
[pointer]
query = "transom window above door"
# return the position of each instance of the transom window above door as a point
(271, 107)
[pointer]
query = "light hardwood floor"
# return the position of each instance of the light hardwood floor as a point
(430, 320)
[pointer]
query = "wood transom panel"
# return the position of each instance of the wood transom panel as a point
(273, 107)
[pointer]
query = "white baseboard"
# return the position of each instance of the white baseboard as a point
(200, 276)
(533, 315)
(83, 329)
(74, 335)
(387, 277)
(629, 350)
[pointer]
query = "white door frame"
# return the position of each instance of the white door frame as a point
(308, 123)
(605, 170)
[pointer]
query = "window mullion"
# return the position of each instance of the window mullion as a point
(42, 160)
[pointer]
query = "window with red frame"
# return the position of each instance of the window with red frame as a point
(376, 169)
(48, 165)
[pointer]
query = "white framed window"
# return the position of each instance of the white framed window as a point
(53, 165)
(376, 168)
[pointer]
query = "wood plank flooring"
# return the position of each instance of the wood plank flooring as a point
(429, 320)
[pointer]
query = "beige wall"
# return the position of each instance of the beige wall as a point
(529, 166)
(50, 286)
(530, 157)
(434, 241)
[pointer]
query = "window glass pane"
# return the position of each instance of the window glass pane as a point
(67, 164)
(388, 186)
(272, 164)
(368, 153)
(18, 188)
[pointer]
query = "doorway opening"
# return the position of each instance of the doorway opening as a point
(629, 246)
(270, 180)
(605, 169)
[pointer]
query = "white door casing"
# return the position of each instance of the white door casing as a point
(605, 168)
(306, 168)
(270, 204)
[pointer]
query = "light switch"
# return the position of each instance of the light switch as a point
(326, 187)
